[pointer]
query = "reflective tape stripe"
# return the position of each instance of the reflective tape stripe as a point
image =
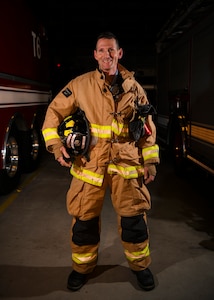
(97, 179)
(132, 256)
(116, 127)
(106, 131)
(100, 131)
(86, 175)
(84, 258)
(119, 128)
(50, 133)
(126, 172)
(150, 152)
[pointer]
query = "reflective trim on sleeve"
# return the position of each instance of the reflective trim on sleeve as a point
(133, 256)
(84, 258)
(150, 152)
(50, 134)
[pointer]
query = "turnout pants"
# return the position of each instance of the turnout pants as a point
(130, 199)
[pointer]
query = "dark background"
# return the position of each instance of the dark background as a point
(72, 27)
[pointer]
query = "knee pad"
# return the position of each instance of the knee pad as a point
(86, 232)
(134, 229)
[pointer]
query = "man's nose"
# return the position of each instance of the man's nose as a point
(107, 53)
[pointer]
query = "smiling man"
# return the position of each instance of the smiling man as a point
(116, 149)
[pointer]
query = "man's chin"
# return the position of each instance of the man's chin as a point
(109, 70)
(107, 66)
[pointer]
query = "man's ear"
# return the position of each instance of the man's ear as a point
(95, 54)
(120, 54)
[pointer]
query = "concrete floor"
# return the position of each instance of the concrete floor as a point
(35, 258)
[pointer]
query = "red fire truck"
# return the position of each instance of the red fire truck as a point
(24, 91)
(185, 85)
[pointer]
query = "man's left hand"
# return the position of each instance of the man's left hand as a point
(149, 173)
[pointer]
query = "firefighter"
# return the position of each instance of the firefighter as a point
(120, 153)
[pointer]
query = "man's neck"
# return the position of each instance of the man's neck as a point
(111, 72)
(111, 78)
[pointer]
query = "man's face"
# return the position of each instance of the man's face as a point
(107, 55)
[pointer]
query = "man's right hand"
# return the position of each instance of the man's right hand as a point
(62, 159)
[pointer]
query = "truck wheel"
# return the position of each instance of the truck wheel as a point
(35, 149)
(10, 175)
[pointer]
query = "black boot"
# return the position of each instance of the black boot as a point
(145, 279)
(76, 280)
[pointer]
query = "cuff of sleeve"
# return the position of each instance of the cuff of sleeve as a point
(152, 169)
(55, 149)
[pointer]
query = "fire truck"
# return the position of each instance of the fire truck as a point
(25, 91)
(185, 86)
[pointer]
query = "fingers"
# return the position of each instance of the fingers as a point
(64, 160)
(151, 178)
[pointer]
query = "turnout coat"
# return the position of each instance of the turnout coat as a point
(112, 147)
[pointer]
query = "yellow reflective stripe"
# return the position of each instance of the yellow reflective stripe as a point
(132, 256)
(86, 175)
(116, 127)
(150, 152)
(119, 128)
(50, 133)
(126, 172)
(106, 131)
(101, 131)
(84, 258)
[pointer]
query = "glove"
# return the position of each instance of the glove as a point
(145, 109)
(151, 169)
(136, 128)
(56, 150)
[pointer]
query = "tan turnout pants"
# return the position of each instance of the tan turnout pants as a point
(130, 199)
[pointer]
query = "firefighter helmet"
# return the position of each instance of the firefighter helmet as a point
(74, 132)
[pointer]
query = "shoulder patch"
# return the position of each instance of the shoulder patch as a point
(67, 92)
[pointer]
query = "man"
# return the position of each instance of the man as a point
(122, 155)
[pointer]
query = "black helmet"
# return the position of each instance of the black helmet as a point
(74, 132)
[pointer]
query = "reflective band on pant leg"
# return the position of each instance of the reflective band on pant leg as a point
(84, 258)
(137, 256)
(86, 232)
(134, 229)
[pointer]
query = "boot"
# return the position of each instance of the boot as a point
(76, 280)
(145, 279)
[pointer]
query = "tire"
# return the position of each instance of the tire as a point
(10, 176)
(35, 153)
